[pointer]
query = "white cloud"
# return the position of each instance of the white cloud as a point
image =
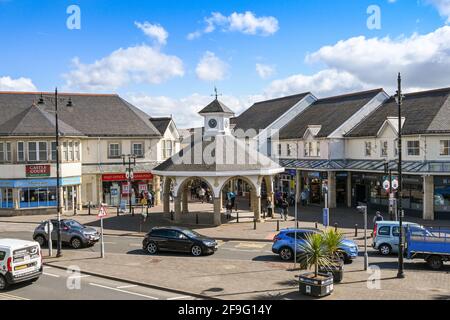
(19, 84)
(246, 23)
(211, 68)
(443, 7)
(324, 83)
(184, 110)
(154, 31)
(265, 71)
(424, 60)
(140, 64)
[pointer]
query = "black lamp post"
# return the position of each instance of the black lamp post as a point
(58, 182)
(399, 100)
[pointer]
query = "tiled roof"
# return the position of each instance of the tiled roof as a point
(216, 107)
(262, 114)
(424, 112)
(91, 114)
(329, 113)
(161, 123)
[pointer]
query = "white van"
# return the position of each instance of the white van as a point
(19, 261)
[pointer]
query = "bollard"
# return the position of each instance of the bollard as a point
(264, 214)
(237, 216)
(335, 227)
(118, 209)
(316, 225)
(278, 225)
(356, 230)
(254, 224)
(196, 218)
(89, 208)
(171, 215)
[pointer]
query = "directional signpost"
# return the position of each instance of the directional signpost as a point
(48, 228)
(101, 214)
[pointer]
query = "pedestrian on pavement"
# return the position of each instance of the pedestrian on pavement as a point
(284, 208)
(229, 207)
(143, 202)
(269, 208)
(201, 194)
(378, 217)
(304, 197)
(149, 199)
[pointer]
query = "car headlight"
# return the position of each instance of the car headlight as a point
(209, 243)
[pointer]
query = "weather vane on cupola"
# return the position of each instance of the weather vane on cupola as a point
(216, 94)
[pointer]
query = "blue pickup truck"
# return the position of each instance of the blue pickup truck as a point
(430, 244)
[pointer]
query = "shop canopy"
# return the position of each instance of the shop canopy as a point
(413, 167)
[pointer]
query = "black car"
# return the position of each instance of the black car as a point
(178, 240)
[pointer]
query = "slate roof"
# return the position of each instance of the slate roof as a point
(262, 114)
(424, 112)
(161, 123)
(91, 115)
(330, 113)
(227, 154)
(216, 107)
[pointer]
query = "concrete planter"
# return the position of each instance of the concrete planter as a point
(316, 287)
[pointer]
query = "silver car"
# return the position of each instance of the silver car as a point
(73, 233)
(386, 235)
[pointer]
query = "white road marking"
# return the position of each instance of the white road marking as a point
(126, 287)
(123, 291)
(50, 274)
(180, 297)
(5, 296)
(80, 276)
(254, 245)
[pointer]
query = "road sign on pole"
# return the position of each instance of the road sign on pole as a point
(395, 184)
(101, 214)
(386, 185)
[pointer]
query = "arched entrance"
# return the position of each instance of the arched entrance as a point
(198, 192)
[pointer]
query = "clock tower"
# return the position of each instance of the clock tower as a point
(216, 118)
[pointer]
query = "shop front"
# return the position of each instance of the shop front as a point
(27, 194)
(116, 187)
(315, 183)
(442, 197)
(368, 188)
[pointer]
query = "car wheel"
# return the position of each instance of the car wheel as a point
(40, 239)
(385, 249)
(196, 251)
(152, 248)
(435, 262)
(3, 283)
(76, 243)
(286, 254)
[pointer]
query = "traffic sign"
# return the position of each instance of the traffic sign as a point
(102, 212)
(46, 227)
(395, 184)
(386, 185)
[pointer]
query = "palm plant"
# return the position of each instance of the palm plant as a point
(314, 253)
(333, 241)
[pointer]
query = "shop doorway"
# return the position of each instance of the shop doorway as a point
(315, 192)
(360, 194)
(341, 190)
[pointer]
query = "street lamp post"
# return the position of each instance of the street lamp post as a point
(58, 182)
(128, 160)
(399, 100)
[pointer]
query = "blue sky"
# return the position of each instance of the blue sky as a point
(320, 46)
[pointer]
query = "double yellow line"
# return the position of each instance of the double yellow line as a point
(5, 296)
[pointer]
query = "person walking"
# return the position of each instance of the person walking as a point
(229, 207)
(201, 194)
(304, 197)
(269, 208)
(149, 199)
(378, 217)
(284, 208)
(143, 202)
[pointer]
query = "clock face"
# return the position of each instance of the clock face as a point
(212, 123)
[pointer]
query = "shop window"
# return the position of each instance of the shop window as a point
(413, 148)
(65, 151)
(114, 150)
(289, 150)
(70, 150)
(37, 197)
(32, 151)
(368, 149)
(137, 148)
(445, 148)
(442, 194)
(6, 198)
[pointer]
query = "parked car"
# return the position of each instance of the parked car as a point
(177, 239)
(20, 261)
(386, 233)
(73, 233)
(284, 244)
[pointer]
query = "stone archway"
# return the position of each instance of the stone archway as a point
(184, 189)
(168, 184)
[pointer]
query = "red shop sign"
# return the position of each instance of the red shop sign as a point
(122, 177)
(41, 170)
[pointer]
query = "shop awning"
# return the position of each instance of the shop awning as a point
(366, 165)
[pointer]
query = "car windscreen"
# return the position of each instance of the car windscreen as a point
(2, 255)
(74, 224)
(192, 234)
